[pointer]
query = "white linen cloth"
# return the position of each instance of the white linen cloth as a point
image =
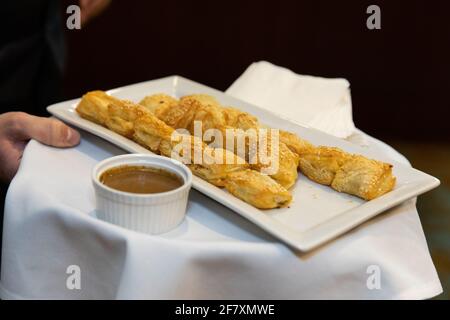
(317, 102)
(50, 224)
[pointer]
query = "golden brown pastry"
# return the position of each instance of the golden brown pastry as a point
(158, 102)
(251, 186)
(122, 115)
(238, 119)
(94, 106)
(259, 190)
(206, 162)
(294, 143)
(365, 178)
(320, 164)
(211, 115)
(326, 165)
(137, 122)
(286, 168)
(151, 132)
(215, 173)
(202, 108)
(345, 172)
(223, 118)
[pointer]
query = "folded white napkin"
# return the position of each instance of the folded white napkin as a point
(321, 103)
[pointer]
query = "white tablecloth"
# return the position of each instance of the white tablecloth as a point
(50, 224)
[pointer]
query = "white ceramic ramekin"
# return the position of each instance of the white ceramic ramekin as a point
(149, 213)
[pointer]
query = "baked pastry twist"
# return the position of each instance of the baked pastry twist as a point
(141, 125)
(211, 115)
(344, 172)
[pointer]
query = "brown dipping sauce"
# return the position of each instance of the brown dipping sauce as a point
(140, 179)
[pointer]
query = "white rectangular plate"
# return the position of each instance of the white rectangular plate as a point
(317, 213)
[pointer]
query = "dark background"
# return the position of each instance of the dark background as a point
(398, 75)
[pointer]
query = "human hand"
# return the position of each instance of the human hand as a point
(17, 128)
(92, 8)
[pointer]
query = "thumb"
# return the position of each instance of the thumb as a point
(50, 131)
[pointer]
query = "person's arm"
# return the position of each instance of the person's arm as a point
(17, 128)
(92, 8)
